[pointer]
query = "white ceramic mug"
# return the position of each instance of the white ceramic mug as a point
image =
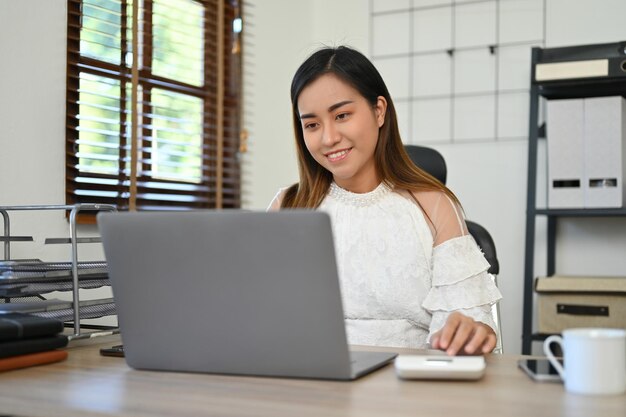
(594, 360)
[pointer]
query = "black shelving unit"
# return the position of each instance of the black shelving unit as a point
(612, 83)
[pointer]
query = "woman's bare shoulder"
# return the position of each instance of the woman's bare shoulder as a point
(443, 214)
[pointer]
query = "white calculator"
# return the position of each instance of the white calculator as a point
(439, 367)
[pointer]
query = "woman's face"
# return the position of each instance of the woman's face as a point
(341, 131)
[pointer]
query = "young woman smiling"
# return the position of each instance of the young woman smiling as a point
(411, 275)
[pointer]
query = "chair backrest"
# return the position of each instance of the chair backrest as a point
(431, 161)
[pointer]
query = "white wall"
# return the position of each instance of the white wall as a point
(32, 129)
(274, 44)
(32, 121)
(32, 85)
(584, 22)
(489, 178)
(281, 35)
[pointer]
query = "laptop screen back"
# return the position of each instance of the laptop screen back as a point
(227, 292)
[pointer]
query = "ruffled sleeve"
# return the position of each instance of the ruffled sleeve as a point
(460, 282)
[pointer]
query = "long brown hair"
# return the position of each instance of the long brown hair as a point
(392, 162)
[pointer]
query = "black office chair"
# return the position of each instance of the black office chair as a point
(431, 161)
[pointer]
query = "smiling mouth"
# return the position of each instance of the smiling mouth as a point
(337, 155)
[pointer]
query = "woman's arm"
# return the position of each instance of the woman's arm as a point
(462, 291)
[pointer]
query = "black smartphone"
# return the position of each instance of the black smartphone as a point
(539, 370)
(117, 350)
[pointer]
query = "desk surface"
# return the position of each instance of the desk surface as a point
(88, 384)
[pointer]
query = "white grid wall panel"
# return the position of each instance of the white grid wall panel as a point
(467, 73)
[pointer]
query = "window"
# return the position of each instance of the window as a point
(188, 98)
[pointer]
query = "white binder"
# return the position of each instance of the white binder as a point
(565, 137)
(605, 128)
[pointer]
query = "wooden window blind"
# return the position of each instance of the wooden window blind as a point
(188, 84)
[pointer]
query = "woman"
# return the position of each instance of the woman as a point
(410, 273)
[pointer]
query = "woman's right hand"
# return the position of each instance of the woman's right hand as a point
(462, 334)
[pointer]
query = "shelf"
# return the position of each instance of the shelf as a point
(600, 82)
(588, 212)
(16, 238)
(66, 240)
(562, 73)
(601, 87)
(541, 336)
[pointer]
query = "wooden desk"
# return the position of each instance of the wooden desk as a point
(88, 384)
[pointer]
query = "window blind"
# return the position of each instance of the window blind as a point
(185, 157)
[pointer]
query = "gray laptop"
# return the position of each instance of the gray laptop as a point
(230, 292)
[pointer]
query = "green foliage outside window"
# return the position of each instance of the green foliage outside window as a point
(174, 149)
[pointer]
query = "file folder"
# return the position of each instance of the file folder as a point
(565, 137)
(605, 127)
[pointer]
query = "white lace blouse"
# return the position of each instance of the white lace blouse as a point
(399, 283)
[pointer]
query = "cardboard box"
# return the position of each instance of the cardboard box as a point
(566, 302)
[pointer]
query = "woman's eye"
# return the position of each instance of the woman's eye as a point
(310, 126)
(342, 116)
